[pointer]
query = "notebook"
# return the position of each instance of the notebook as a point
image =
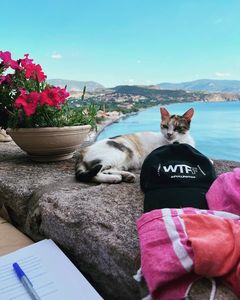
(52, 274)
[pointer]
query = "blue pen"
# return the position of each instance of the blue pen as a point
(25, 281)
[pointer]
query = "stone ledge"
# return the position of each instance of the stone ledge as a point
(93, 224)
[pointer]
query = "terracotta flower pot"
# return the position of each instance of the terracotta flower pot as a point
(50, 143)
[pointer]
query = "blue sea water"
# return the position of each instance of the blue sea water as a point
(215, 126)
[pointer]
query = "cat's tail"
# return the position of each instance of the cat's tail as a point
(86, 175)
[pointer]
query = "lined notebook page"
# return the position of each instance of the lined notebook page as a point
(52, 274)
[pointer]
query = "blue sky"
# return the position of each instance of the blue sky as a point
(126, 42)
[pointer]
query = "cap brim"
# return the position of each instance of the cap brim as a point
(175, 198)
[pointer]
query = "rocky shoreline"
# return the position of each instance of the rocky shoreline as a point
(101, 126)
(109, 121)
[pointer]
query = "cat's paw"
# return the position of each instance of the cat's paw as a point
(115, 179)
(107, 167)
(107, 178)
(129, 177)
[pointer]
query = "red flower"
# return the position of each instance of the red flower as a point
(53, 96)
(37, 103)
(29, 70)
(28, 102)
(39, 73)
(32, 70)
(35, 72)
(45, 99)
(63, 94)
(8, 61)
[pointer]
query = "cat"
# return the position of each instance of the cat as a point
(111, 160)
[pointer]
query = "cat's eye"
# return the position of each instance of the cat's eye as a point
(180, 129)
(177, 128)
(165, 126)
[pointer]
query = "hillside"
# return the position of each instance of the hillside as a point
(208, 85)
(129, 98)
(74, 85)
(159, 94)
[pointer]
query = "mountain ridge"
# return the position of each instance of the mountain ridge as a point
(200, 85)
(76, 85)
(207, 85)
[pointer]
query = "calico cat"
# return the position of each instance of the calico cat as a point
(110, 160)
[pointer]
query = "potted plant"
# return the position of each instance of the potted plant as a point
(39, 117)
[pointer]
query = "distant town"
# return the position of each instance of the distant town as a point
(128, 99)
(123, 99)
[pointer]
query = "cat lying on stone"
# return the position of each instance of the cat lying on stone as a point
(111, 160)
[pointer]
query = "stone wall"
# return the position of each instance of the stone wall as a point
(94, 224)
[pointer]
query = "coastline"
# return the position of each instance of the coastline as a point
(111, 120)
(101, 126)
(215, 138)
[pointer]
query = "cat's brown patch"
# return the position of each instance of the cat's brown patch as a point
(133, 139)
(180, 124)
(121, 147)
(136, 143)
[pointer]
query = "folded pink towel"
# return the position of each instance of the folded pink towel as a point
(179, 246)
(224, 193)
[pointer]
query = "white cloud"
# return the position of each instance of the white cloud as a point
(221, 74)
(56, 56)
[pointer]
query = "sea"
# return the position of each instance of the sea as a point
(215, 126)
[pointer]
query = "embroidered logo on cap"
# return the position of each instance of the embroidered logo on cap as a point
(180, 170)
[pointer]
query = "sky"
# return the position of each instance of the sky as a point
(116, 42)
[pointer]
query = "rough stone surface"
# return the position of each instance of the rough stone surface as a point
(94, 224)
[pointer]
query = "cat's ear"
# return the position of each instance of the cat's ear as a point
(164, 113)
(188, 114)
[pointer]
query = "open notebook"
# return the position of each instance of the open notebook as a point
(53, 275)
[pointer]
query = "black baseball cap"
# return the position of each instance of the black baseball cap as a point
(175, 176)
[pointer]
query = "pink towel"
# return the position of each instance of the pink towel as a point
(224, 193)
(216, 246)
(167, 254)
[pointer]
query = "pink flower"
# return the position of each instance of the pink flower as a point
(5, 56)
(26, 61)
(8, 61)
(2, 79)
(28, 102)
(14, 65)
(5, 79)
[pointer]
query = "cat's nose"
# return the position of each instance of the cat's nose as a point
(169, 134)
